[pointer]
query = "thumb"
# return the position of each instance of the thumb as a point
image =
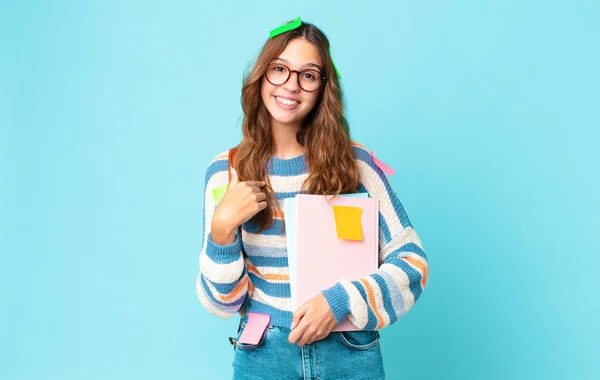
(298, 314)
(234, 178)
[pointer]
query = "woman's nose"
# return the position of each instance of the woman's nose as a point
(292, 82)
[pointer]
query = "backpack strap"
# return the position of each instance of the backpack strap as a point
(231, 159)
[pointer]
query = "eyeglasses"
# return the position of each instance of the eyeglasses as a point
(309, 80)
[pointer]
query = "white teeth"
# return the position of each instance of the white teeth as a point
(286, 101)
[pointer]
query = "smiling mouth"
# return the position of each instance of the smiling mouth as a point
(286, 103)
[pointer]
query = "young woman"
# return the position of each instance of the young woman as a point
(295, 140)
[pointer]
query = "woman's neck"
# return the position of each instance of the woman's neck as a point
(284, 138)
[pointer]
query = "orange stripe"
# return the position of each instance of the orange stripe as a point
(371, 297)
(278, 215)
(234, 293)
(252, 268)
(268, 276)
(421, 267)
(276, 277)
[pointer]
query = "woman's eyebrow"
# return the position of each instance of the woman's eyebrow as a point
(308, 64)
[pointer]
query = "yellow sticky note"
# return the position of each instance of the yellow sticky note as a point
(348, 222)
(218, 193)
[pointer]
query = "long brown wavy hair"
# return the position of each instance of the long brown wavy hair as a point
(324, 132)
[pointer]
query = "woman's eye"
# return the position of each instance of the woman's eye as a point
(278, 68)
(309, 76)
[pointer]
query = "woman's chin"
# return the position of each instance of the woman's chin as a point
(285, 120)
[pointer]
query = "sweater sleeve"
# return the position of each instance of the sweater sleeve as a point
(222, 283)
(378, 300)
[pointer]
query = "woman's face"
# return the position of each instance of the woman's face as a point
(288, 103)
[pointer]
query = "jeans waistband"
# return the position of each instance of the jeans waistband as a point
(244, 321)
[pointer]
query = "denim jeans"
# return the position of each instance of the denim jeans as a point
(342, 355)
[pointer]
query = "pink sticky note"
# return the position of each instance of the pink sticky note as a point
(386, 169)
(255, 328)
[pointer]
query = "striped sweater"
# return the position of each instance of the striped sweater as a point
(251, 274)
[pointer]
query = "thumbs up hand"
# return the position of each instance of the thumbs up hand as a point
(241, 202)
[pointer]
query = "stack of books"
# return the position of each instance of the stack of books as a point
(328, 239)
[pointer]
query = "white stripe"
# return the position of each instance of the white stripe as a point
(405, 237)
(291, 184)
(252, 250)
(261, 240)
(276, 302)
(359, 314)
(221, 273)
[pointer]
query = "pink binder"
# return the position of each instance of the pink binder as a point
(322, 258)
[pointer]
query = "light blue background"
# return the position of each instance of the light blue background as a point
(110, 112)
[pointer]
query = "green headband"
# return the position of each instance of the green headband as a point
(293, 25)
